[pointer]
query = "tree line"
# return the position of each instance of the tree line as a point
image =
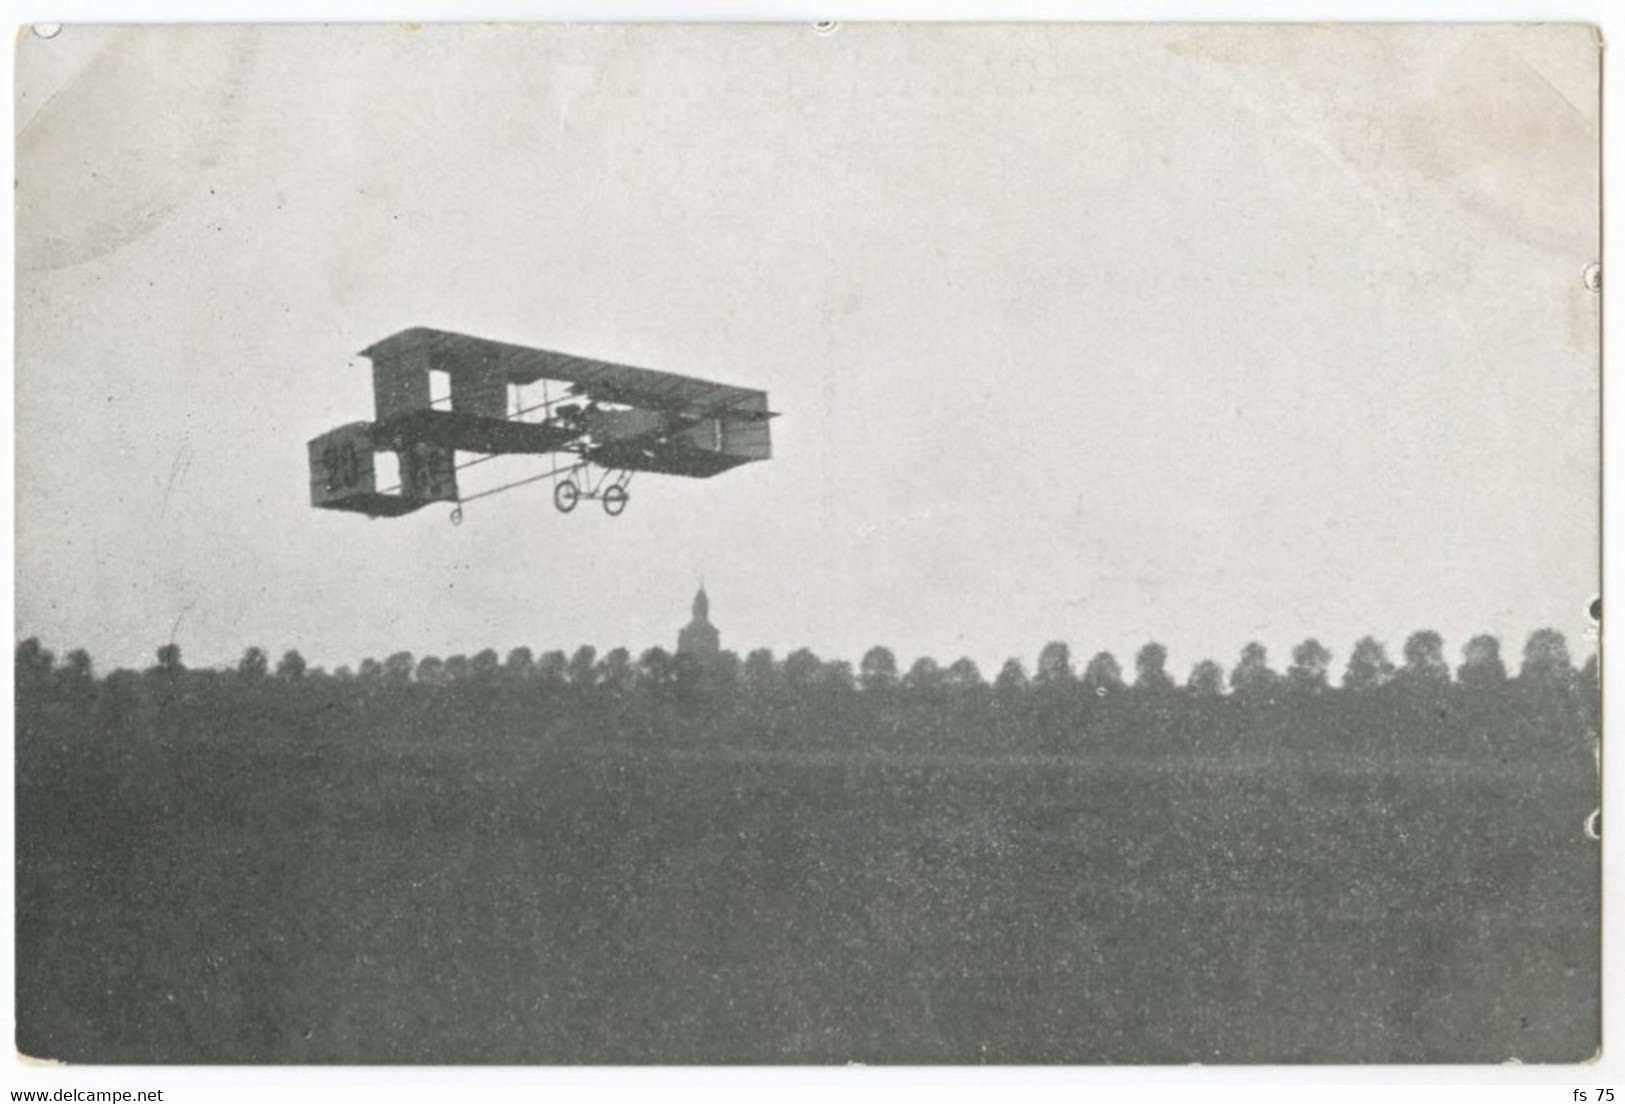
(1545, 665)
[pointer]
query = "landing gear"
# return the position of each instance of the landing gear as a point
(578, 481)
(609, 488)
(566, 495)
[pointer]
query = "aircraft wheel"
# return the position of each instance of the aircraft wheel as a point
(614, 500)
(565, 496)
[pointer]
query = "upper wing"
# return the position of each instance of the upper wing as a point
(462, 355)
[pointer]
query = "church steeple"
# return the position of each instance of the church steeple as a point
(699, 638)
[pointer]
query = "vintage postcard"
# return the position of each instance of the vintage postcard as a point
(807, 544)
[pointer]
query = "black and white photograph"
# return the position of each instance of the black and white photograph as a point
(808, 544)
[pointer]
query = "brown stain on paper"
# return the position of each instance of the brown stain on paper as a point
(1492, 106)
(1511, 145)
(128, 134)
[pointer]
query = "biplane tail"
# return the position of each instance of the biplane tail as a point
(344, 472)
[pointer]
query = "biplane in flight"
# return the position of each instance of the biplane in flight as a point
(599, 423)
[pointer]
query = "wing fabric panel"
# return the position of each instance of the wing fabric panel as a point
(603, 380)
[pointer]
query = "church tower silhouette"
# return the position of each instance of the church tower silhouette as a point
(699, 638)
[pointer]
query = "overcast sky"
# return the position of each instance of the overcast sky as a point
(1098, 334)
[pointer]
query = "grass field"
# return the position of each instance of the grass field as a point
(255, 889)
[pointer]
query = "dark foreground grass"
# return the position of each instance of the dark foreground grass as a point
(260, 894)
